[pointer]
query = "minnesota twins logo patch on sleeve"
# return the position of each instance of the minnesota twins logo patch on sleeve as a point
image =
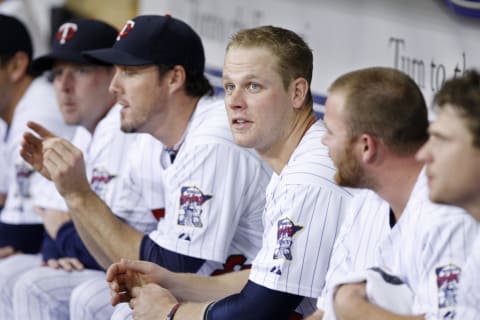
(286, 229)
(23, 173)
(191, 201)
(100, 179)
(447, 283)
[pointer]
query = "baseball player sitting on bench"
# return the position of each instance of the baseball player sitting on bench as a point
(23, 97)
(398, 255)
(82, 93)
(452, 159)
(266, 77)
(213, 189)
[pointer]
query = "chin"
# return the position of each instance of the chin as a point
(434, 197)
(242, 142)
(128, 129)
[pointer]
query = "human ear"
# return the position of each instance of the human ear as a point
(369, 148)
(17, 66)
(177, 78)
(300, 90)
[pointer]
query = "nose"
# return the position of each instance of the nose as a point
(424, 154)
(116, 85)
(235, 99)
(65, 81)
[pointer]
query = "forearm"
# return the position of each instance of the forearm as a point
(191, 311)
(107, 238)
(197, 288)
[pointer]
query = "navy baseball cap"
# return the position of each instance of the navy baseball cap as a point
(14, 36)
(72, 38)
(153, 39)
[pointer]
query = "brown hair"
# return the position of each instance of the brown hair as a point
(463, 94)
(387, 104)
(294, 56)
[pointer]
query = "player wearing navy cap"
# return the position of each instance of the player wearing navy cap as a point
(24, 97)
(455, 143)
(213, 188)
(82, 93)
(266, 76)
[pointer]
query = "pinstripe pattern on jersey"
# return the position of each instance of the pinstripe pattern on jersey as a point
(90, 300)
(37, 104)
(305, 193)
(469, 292)
(141, 189)
(235, 177)
(427, 236)
(365, 225)
(103, 151)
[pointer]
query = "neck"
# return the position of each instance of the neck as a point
(396, 180)
(278, 155)
(93, 125)
(474, 209)
(18, 90)
(173, 122)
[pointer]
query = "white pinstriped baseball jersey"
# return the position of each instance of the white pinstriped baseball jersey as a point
(214, 193)
(426, 249)
(38, 104)
(366, 224)
(141, 196)
(107, 154)
(468, 307)
(303, 213)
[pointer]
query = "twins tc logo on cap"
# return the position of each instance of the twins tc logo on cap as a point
(66, 32)
(126, 29)
(191, 201)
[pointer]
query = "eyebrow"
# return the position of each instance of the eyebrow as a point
(245, 78)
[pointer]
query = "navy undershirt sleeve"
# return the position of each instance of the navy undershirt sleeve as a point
(49, 248)
(255, 302)
(176, 262)
(69, 244)
(26, 238)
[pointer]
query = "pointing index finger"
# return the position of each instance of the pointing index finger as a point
(40, 130)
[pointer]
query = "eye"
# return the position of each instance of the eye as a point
(82, 70)
(56, 73)
(253, 87)
(228, 88)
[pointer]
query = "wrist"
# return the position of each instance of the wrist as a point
(76, 200)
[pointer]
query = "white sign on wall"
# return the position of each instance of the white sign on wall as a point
(425, 39)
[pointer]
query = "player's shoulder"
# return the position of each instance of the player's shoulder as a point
(209, 123)
(428, 217)
(310, 162)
